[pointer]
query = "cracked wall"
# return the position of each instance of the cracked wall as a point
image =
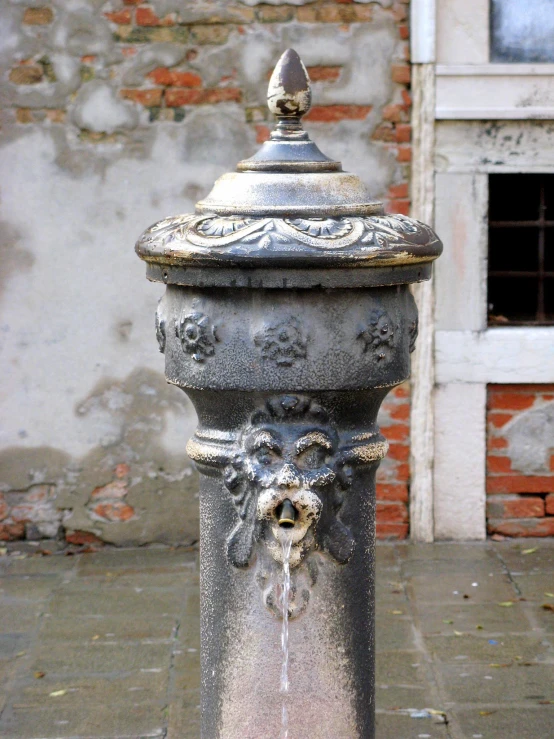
(116, 114)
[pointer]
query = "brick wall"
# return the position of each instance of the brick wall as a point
(156, 100)
(520, 460)
(393, 474)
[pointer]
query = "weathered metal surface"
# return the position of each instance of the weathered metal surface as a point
(286, 320)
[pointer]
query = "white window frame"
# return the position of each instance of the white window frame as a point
(450, 40)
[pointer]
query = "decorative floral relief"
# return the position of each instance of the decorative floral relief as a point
(222, 226)
(377, 334)
(269, 233)
(324, 228)
(282, 342)
(197, 335)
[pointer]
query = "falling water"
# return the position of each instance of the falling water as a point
(286, 544)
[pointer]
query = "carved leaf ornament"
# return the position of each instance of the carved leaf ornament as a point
(266, 233)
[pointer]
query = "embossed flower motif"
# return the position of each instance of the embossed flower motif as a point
(378, 333)
(282, 342)
(322, 228)
(222, 226)
(197, 335)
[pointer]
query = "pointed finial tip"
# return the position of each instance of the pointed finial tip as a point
(289, 94)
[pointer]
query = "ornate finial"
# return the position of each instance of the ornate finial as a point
(289, 94)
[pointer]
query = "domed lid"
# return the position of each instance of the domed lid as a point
(288, 215)
(289, 175)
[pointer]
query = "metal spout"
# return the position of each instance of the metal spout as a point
(286, 514)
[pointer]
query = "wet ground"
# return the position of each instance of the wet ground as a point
(106, 644)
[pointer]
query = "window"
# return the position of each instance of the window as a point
(522, 31)
(521, 249)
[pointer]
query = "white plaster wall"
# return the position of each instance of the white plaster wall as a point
(83, 388)
(459, 477)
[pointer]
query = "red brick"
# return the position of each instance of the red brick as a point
(177, 97)
(388, 512)
(121, 17)
(269, 14)
(549, 505)
(262, 133)
(334, 113)
(497, 442)
(115, 489)
(407, 98)
(12, 531)
(128, 51)
(399, 452)
(511, 401)
(4, 508)
(394, 112)
(149, 98)
(531, 388)
(404, 32)
(391, 530)
(145, 16)
(401, 73)
(403, 472)
(122, 470)
(403, 133)
(397, 492)
(343, 13)
(398, 432)
(173, 78)
(116, 511)
(26, 74)
(404, 154)
(499, 419)
(80, 538)
(522, 527)
(399, 206)
(402, 391)
(24, 115)
(499, 465)
(324, 74)
(399, 191)
(528, 507)
(384, 132)
(38, 16)
(520, 484)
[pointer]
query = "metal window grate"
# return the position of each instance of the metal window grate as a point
(521, 249)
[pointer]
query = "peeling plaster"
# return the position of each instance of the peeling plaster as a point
(97, 108)
(531, 440)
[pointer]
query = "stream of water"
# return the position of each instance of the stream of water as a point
(286, 545)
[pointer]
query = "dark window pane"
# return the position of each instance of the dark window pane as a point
(549, 298)
(549, 249)
(514, 249)
(521, 248)
(522, 31)
(512, 299)
(514, 197)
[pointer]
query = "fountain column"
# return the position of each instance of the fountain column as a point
(287, 319)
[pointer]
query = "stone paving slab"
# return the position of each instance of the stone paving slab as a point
(106, 645)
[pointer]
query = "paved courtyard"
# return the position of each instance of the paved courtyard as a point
(106, 644)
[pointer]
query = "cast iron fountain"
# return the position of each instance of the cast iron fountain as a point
(287, 319)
